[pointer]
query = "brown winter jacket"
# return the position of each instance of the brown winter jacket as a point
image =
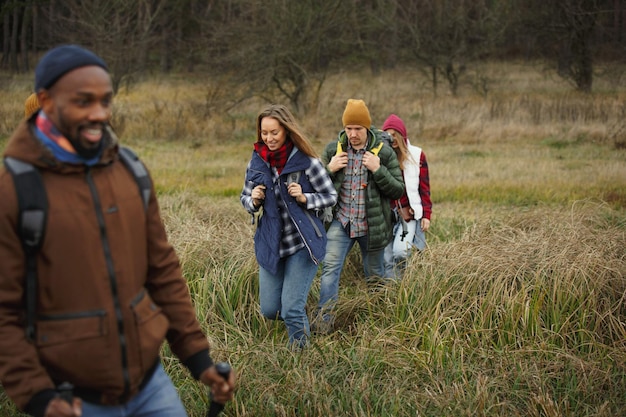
(110, 288)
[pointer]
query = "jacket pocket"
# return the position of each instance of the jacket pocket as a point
(67, 328)
(75, 344)
(151, 326)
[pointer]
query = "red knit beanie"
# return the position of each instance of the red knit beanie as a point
(395, 123)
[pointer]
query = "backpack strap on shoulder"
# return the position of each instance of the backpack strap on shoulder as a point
(33, 207)
(377, 149)
(373, 150)
(33, 213)
(339, 148)
(139, 171)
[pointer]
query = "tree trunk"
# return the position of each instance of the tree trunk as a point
(583, 58)
(14, 36)
(35, 42)
(6, 35)
(166, 62)
(26, 20)
(618, 21)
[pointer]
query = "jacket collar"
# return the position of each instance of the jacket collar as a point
(24, 145)
(371, 140)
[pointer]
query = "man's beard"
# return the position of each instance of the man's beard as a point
(84, 152)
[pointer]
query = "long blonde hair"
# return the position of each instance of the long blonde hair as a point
(402, 150)
(286, 119)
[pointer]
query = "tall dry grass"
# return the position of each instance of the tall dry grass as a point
(515, 308)
(522, 315)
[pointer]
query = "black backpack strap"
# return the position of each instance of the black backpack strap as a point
(33, 213)
(139, 171)
(33, 208)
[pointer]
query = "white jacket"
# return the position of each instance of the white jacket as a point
(412, 179)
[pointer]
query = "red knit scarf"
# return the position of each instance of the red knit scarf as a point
(277, 158)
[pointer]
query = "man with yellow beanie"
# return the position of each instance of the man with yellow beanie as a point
(367, 175)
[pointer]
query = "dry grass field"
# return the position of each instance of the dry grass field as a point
(516, 307)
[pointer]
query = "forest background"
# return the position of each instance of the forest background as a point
(516, 307)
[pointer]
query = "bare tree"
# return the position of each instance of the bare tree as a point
(6, 33)
(565, 32)
(279, 48)
(16, 22)
(370, 33)
(283, 49)
(123, 32)
(35, 29)
(26, 24)
(14, 38)
(446, 36)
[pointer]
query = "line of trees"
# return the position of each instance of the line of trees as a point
(289, 45)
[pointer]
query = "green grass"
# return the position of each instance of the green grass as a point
(515, 308)
(515, 312)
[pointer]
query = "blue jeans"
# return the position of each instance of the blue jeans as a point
(284, 295)
(158, 398)
(337, 249)
(399, 249)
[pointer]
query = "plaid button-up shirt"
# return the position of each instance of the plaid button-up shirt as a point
(352, 194)
(291, 241)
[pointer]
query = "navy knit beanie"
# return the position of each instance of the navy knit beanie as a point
(61, 60)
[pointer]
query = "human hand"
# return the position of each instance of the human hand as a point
(371, 161)
(258, 195)
(222, 390)
(295, 190)
(58, 407)
(337, 162)
(425, 224)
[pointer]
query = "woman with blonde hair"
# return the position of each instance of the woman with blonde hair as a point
(414, 208)
(288, 182)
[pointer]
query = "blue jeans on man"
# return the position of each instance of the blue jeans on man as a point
(337, 249)
(158, 398)
(284, 295)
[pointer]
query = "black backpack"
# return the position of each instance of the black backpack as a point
(33, 212)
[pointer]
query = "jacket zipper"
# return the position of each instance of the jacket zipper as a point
(112, 280)
(306, 245)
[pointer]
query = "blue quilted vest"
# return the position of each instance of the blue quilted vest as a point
(269, 227)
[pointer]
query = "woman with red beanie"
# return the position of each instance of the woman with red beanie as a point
(414, 208)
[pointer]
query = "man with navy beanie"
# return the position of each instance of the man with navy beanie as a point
(61, 60)
(109, 287)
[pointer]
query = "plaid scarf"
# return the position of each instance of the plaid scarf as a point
(278, 158)
(47, 128)
(59, 145)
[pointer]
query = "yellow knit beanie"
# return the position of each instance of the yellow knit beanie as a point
(356, 113)
(31, 105)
